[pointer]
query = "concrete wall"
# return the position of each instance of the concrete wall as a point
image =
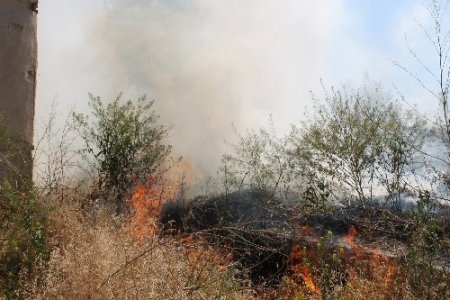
(18, 63)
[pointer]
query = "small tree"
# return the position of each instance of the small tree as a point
(434, 77)
(259, 160)
(125, 141)
(358, 140)
(403, 136)
(439, 38)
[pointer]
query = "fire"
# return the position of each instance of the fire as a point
(200, 255)
(146, 203)
(390, 275)
(300, 269)
(304, 272)
(380, 267)
(148, 198)
(349, 241)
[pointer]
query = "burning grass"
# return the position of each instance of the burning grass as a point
(204, 254)
(248, 224)
(103, 261)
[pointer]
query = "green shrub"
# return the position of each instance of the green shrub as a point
(424, 256)
(329, 266)
(359, 141)
(259, 160)
(125, 141)
(23, 246)
(316, 194)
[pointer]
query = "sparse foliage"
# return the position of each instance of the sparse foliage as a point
(428, 281)
(260, 160)
(23, 244)
(125, 141)
(55, 158)
(359, 141)
(435, 73)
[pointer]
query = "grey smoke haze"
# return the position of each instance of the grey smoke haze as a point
(211, 64)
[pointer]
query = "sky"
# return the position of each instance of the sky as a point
(215, 65)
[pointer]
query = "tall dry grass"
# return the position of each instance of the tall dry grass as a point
(102, 260)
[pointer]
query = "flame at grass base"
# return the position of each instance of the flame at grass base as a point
(301, 270)
(148, 198)
(146, 203)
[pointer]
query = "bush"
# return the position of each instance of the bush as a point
(23, 248)
(260, 160)
(125, 142)
(424, 256)
(360, 141)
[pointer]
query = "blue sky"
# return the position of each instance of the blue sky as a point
(373, 34)
(210, 64)
(376, 19)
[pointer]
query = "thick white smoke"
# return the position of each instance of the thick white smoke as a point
(213, 63)
(208, 63)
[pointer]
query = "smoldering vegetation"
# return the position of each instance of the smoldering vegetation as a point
(251, 224)
(348, 204)
(287, 216)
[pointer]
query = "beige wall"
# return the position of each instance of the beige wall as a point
(18, 62)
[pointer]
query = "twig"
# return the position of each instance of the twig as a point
(127, 263)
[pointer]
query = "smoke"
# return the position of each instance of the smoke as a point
(209, 64)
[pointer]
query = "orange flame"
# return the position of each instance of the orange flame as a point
(300, 269)
(380, 267)
(148, 198)
(390, 274)
(304, 272)
(200, 255)
(349, 239)
(146, 203)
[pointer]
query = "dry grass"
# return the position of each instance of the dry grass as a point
(102, 261)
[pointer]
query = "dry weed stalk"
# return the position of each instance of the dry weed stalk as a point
(102, 261)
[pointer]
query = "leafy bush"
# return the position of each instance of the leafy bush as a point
(23, 246)
(359, 141)
(427, 279)
(125, 141)
(260, 160)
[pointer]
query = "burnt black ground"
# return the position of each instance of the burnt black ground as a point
(250, 222)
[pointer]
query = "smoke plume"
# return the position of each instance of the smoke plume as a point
(210, 64)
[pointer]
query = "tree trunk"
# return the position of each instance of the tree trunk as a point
(18, 63)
